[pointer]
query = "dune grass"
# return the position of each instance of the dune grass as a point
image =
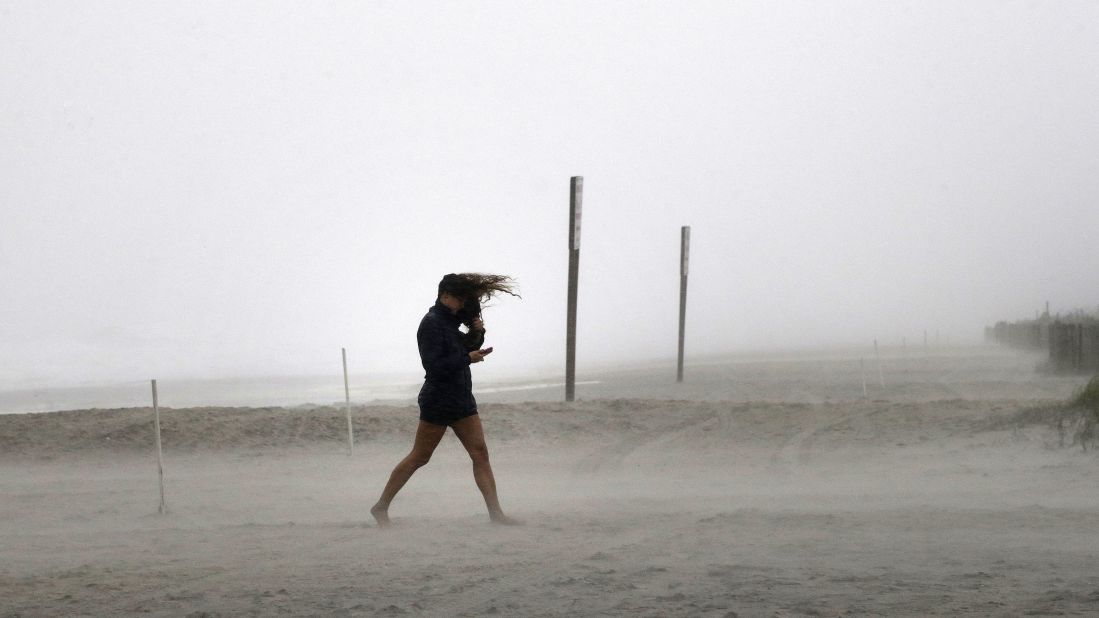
(1076, 420)
(1083, 413)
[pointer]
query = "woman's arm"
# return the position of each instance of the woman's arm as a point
(475, 338)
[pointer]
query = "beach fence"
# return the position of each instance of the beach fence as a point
(1025, 335)
(163, 506)
(1074, 348)
(1073, 345)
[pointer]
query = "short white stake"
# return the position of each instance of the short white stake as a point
(159, 453)
(862, 370)
(881, 377)
(347, 400)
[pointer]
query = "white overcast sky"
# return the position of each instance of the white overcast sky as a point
(224, 188)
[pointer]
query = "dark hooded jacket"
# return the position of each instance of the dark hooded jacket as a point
(444, 353)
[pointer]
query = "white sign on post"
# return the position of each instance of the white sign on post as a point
(577, 199)
(685, 258)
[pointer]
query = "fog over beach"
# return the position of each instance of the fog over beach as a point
(223, 196)
(197, 192)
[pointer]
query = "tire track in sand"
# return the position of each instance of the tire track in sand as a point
(795, 451)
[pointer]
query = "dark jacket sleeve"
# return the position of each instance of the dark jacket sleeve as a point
(441, 359)
(473, 340)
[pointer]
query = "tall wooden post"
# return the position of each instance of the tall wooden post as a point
(576, 194)
(684, 258)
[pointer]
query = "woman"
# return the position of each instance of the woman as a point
(446, 398)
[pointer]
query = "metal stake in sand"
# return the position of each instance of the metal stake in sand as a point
(862, 370)
(684, 258)
(159, 453)
(881, 377)
(347, 403)
(576, 194)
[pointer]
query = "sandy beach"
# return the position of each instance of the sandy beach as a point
(864, 231)
(786, 494)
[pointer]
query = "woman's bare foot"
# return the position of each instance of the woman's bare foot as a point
(504, 520)
(381, 515)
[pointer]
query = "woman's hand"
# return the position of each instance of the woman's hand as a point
(477, 356)
(478, 324)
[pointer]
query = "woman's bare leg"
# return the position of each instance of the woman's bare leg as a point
(427, 438)
(472, 435)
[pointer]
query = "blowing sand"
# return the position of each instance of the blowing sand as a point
(906, 504)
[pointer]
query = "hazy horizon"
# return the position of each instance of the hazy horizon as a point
(213, 190)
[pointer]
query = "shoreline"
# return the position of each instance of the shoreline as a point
(808, 377)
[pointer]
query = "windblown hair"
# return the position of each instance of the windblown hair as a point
(484, 286)
(476, 288)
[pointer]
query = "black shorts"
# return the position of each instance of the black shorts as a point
(446, 419)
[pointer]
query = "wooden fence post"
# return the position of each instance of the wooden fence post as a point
(684, 259)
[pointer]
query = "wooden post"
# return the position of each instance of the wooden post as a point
(1079, 356)
(576, 195)
(347, 403)
(163, 508)
(1055, 345)
(684, 258)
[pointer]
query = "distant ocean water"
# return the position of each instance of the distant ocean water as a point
(256, 392)
(822, 376)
